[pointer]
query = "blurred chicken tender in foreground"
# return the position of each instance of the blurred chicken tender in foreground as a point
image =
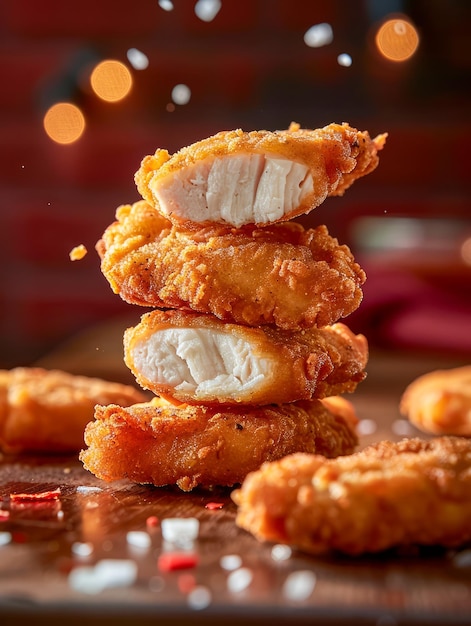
(440, 402)
(47, 410)
(412, 492)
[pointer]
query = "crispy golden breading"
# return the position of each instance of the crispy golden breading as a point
(282, 274)
(161, 444)
(338, 405)
(47, 410)
(389, 494)
(198, 359)
(257, 177)
(440, 402)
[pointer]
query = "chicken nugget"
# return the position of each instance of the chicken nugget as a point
(284, 274)
(259, 177)
(161, 444)
(439, 402)
(198, 359)
(411, 492)
(47, 410)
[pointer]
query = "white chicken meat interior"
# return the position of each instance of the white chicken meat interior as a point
(237, 189)
(200, 361)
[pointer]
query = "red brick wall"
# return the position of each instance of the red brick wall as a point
(248, 68)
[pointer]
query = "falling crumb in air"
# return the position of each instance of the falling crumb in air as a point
(137, 59)
(166, 5)
(239, 579)
(319, 35)
(299, 585)
(78, 252)
(345, 60)
(207, 10)
(181, 94)
(199, 598)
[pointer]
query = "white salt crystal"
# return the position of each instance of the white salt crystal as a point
(299, 585)
(239, 579)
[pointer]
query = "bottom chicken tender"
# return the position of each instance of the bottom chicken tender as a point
(440, 402)
(47, 410)
(162, 444)
(412, 492)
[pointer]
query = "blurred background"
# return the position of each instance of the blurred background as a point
(182, 70)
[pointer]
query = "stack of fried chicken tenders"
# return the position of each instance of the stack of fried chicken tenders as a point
(243, 347)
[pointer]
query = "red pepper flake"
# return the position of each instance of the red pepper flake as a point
(4, 515)
(36, 497)
(186, 583)
(170, 561)
(152, 521)
(212, 506)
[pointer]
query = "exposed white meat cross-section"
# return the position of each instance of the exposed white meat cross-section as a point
(237, 189)
(199, 360)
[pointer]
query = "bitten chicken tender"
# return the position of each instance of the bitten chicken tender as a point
(47, 410)
(440, 402)
(197, 359)
(283, 274)
(161, 444)
(259, 177)
(411, 492)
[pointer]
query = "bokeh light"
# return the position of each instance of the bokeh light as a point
(64, 123)
(344, 59)
(181, 94)
(111, 80)
(137, 59)
(319, 35)
(207, 10)
(397, 39)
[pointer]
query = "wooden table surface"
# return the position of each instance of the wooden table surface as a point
(41, 544)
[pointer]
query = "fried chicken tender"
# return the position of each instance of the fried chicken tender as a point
(197, 359)
(411, 492)
(47, 410)
(161, 444)
(259, 177)
(283, 274)
(439, 402)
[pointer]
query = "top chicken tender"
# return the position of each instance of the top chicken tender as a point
(260, 177)
(282, 274)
